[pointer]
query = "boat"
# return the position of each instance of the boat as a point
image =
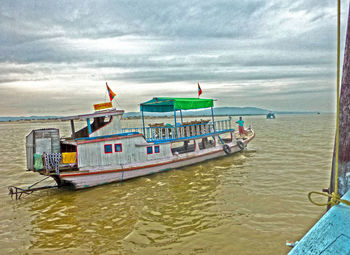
(270, 115)
(103, 152)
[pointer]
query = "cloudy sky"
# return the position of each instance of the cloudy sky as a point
(55, 56)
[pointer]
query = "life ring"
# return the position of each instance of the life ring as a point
(240, 145)
(227, 149)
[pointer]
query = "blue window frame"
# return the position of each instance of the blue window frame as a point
(108, 148)
(118, 147)
(156, 149)
(149, 150)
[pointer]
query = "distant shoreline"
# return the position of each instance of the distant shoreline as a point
(218, 111)
(57, 118)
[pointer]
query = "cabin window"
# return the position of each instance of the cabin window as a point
(206, 143)
(149, 150)
(156, 149)
(108, 148)
(183, 147)
(227, 137)
(118, 147)
(98, 123)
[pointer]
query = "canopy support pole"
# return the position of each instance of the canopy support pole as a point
(182, 121)
(143, 123)
(175, 123)
(212, 117)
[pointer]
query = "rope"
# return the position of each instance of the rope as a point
(38, 182)
(121, 107)
(337, 123)
(334, 197)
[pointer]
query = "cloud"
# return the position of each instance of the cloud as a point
(155, 45)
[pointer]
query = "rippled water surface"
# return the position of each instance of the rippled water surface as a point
(248, 203)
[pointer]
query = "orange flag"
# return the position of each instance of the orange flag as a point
(110, 93)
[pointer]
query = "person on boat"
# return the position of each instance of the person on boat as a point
(240, 123)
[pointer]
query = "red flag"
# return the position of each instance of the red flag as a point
(199, 90)
(110, 93)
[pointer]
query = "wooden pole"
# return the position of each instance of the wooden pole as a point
(73, 129)
(344, 126)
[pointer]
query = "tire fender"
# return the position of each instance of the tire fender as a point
(240, 144)
(227, 149)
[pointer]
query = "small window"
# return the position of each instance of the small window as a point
(156, 149)
(118, 147)
(149, 150)
(108, 148)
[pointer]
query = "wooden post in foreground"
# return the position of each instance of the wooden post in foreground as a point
(344, 125)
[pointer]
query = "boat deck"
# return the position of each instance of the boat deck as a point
(160, 132)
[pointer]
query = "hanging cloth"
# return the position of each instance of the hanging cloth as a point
(38, 161)
(52, 161)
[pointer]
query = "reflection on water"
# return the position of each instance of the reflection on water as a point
(249, 203)
(157, 210)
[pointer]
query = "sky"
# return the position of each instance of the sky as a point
(56, 56)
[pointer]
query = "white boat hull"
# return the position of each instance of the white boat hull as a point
(94, 177)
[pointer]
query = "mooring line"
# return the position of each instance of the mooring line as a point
(38, 182)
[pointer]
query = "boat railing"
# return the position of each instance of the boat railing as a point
(161, 132)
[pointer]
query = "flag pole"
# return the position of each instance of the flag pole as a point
(106, 92)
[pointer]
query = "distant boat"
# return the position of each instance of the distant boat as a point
(103, 152)
(270, 115)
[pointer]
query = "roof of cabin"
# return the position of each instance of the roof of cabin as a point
(168, 104)
(105, 113)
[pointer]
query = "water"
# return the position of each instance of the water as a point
(249, 203)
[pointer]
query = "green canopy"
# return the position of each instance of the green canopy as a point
(168, 104)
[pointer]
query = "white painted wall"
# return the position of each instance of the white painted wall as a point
(93, 155)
